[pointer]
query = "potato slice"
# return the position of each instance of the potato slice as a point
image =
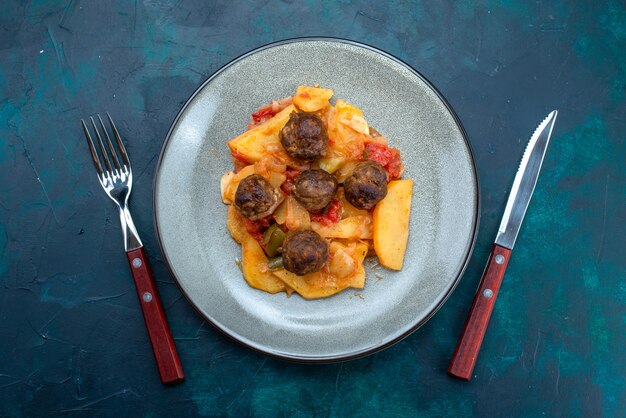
(312, 99)
(236, 225)
(224, 184)
(254, 267)
(331, 164)
(312, 286)
(256, 143)
(391, 224)
(354, 227)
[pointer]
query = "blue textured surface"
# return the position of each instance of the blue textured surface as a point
(71, 331)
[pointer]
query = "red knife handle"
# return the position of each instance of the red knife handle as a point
(466, 353)
(163, 346)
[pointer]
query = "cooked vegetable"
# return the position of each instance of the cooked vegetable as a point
(314, 189)
(391, 224)
(333, 277)
(272, 168)
(367, 185)
(255, 269)
(347, 128)
(312, 99)
(345, 170)
(354, 227)
(304, 137)
(236, 225)
(388, 157)
(304, 252)
(331, 164)
(273, 238)
(275, 263)
(292, 214)
(255, 143)
(256, 198)
(310, 196)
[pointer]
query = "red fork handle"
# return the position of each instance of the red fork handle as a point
(163, 346)
(466, 353)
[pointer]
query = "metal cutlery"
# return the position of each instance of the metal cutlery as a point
(117, 182)
(466, 353)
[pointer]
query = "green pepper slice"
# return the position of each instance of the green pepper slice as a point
(273, 238)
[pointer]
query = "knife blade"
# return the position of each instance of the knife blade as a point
(468, 347)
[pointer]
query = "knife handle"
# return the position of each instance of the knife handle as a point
(466, 353)
(163, 346)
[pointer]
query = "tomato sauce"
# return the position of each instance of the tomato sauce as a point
(239, 161)
(330, 216)
(263, 113)
(388, 157)
(288, 183)
(256, 228)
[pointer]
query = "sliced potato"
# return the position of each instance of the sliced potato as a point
(331, 164)
(254, 267)
(391, 224)
(230, 190)
(315, 285)
(224, 184)
(312, 99)
(257, 142)
(354, 227)
(360, 252)
(236, 225)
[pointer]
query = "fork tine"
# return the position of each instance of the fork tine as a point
(107, 163)
(119, 142)
(92, 149)
(110, 144)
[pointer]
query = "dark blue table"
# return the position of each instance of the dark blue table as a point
(72, 338)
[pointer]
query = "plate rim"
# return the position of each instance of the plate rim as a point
(371, 350)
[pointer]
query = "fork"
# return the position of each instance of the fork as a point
(117, 182)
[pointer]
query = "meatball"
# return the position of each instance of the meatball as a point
(314, 189)
(304, 137)
(367, 185)
(304, 252)
(256, 198)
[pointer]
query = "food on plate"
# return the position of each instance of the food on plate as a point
(391, 224)
(255, 269)
(313, 191)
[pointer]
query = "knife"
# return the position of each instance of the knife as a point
(466, 352)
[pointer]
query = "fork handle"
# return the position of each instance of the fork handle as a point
(163, 346)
